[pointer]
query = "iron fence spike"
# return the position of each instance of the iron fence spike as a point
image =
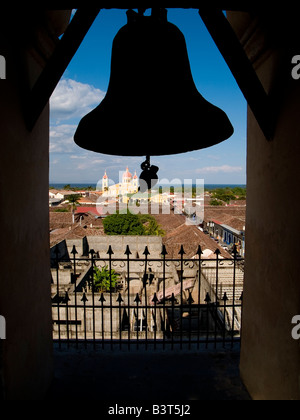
(110, 251)
(235, 252)
(120, 300)
(199, 252)
(84, 298)
(146, 252)
(137, 298)
(173, 299)
(155, 299)
(181, 252)
(74, 250)
(102, 298)
(164, 251)
(225, 298)
(128, 252)
(190, 299)
(207, 299)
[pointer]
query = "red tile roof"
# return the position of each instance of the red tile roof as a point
(93, 210)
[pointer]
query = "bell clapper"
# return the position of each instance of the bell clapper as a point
(146, 165)
(148, 178)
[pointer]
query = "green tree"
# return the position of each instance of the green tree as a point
(240, 193)
(90, 188)
(223, 194)
(152, 228)
(123, 224)
(104, 280)
(61, 210)
(132, 224)
(215, 202)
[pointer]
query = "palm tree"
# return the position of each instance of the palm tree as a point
(104, 279)
(73, 200)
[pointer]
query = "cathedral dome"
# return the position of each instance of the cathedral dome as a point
(127, 174)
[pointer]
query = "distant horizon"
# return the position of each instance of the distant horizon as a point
(87, 184)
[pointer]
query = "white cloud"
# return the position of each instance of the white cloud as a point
(61, 139)
(97, 161)
(89, 163)
(78, 157)
(73, 99)
(82, 166)
(227, 169)
(213, 157)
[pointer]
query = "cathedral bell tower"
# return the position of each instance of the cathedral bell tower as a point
(135, 182)
(105, 183)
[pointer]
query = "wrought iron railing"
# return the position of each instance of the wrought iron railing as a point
(147, 301)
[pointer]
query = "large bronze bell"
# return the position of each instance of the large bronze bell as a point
(152, 106)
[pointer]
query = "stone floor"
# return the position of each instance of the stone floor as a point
(136, 376)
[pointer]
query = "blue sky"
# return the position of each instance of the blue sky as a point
(85, 82)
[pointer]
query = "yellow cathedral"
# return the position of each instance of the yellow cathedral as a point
(129, 185)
